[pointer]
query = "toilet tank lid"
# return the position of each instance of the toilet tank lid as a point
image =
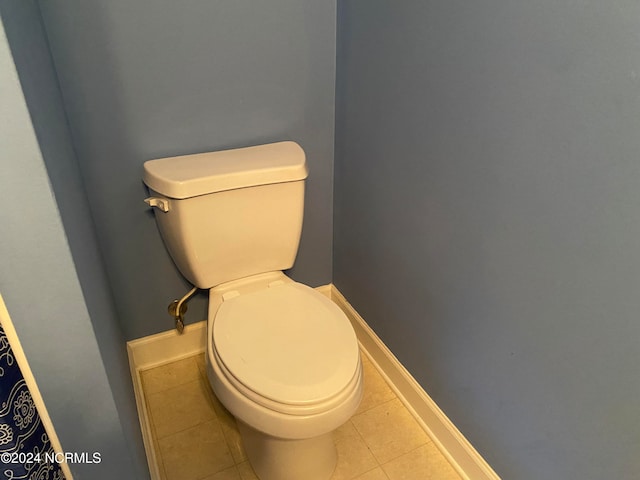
(202, 173)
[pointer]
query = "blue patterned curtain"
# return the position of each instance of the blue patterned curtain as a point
(25, 449)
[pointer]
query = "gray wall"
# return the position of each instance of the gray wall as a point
(149, 79)
(487, 218)
(69, 334)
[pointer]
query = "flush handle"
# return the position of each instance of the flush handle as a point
(160, 203)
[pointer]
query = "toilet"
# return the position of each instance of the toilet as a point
(281, 357)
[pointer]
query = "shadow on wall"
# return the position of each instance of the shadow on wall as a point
(103, 141)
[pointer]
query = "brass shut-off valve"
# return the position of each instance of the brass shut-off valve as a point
(178, 308)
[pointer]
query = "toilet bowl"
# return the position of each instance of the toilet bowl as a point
(281, 357)
(284, 360)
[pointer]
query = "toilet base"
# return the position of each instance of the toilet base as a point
(282, 459)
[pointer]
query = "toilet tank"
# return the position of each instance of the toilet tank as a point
(229, 214)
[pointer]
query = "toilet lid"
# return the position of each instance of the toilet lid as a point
(287, 343)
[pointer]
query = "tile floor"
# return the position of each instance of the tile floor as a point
(197, 439)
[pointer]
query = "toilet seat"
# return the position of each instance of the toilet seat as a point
(303, 411)
(286, 347)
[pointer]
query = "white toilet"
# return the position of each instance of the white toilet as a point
(281, 357)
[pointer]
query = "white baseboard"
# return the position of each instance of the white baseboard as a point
(460, 453)
(166, 347)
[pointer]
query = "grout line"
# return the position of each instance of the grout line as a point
(429, 440)
(173, 387)
(156, 446)
(209, 392)
(158, 438)
(382, 378)
(406, 453)
(189, 428)
(366, 445)
(379, 467)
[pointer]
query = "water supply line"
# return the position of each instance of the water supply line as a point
(178, 308)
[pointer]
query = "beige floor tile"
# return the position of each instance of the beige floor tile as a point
(389, 430)
(198, 439)
(180, 407)
(376, 390)
(220, 409)
(168, 376)
(246, 472)
(425, 463)
(354, 457)
(377, 474)
(159, 462)
(195, 453)
(229, 426)
(200, 361)
(232, 435)
(228, 474)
